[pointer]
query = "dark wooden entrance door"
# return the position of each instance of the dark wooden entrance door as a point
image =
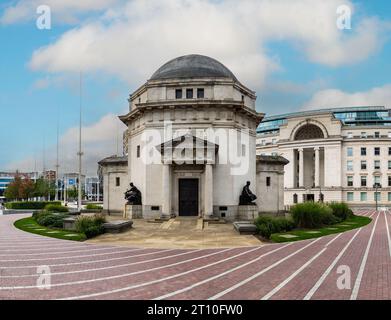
(188, 197)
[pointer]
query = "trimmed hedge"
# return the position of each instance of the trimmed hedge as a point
(34, 205)
(56, 208)
(92, 206)
(266, 225)
(313, 215)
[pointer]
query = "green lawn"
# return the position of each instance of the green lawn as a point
(301, 234)
(30, 225)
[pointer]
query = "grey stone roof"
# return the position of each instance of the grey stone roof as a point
(270, 158)
(193, 66)
(114, 160)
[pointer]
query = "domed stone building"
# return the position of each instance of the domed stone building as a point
(190, 146)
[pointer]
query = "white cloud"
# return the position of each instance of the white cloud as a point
(378, 96)
(99, 141)
(63, 10)
(133, 40)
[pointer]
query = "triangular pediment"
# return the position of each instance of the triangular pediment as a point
(187, 141)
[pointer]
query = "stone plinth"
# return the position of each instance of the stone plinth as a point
(69, 223)
(247, 212)
(133, 211)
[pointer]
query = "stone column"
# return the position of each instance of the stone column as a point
(166, 189)
(317, 167)
(301, 167)
(208, 195)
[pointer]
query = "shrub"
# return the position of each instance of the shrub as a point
(55, 208)
(34, 205)
(90, 226)
(92, 206)
(268, 225)
(94, 231)
(340, 210)
(49, 219)
(312, 215)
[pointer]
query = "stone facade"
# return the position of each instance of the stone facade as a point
(329, 160)
(196, 105)
(114, 171)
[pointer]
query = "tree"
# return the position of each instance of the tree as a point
(13, 189)
(27, 188)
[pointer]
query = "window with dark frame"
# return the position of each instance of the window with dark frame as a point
(363, 165)
(377, 134)
(377, 164)
(389, 181)
(268, 181)
(117, 181)
(389, 151)
(178, 93)
(363, 151)
(200, 93)
(189, 93)
(138, 151)
(377, 151)
(350, 181)
(363, 181)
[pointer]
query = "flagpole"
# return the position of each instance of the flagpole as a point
(80, 153)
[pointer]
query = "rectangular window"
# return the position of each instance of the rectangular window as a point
(350, 135)
(363, 181)
(189, 93)
(389, 164)
(363, 151)
(350, 152)
(117, 181)
(138, 151)
(349, 166)
(363, 196)
(376, 179)
(389, 134)
(377, 196)
(363, 165)
(268, 181)
(389, 181)
(377, 164)
(350, 196)
(389, 151)
(178, 94)
(350, 181)
(200, 93)
(363, 135)
(377, 151)
(377, 134)
(389, 196)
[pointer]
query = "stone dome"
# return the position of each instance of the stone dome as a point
(193, 66)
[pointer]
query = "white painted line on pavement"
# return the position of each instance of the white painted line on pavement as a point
(219, 275)
(293, 275)
(357, 283)
(239, 284)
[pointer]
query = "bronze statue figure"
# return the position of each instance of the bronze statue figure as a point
(133, 195)
(247, 197)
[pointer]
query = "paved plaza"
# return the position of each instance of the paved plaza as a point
(297, 270)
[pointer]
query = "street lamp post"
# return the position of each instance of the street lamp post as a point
(376, 186)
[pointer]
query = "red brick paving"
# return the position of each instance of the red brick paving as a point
(93, 271)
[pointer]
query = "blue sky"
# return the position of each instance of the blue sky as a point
(282, 62)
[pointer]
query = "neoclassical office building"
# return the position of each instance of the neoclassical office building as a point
(338, 154)
(190, 146)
